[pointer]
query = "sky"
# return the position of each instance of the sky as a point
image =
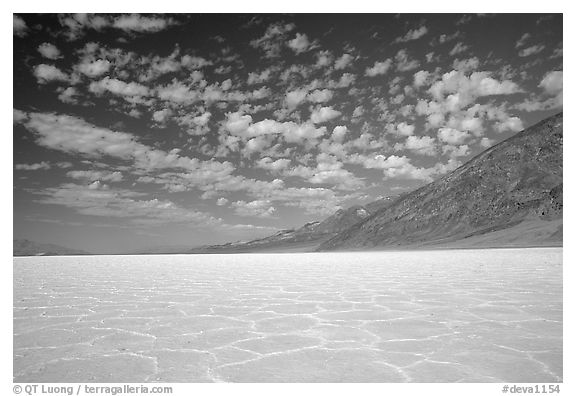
(132, 131)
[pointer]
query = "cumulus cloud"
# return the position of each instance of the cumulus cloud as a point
(513, 124)
(552, 83)
(343, 62)
(257, 208)
(93, 176)
(320, 96)
(68, 95)
(272, 40)
(31, 167)
(456, 151)
(522, 40)
(273, 166)
(299, 44)
(141, 24)
(323, 114)
(259, 78)
(466, 65)
(95, 68)
(459, 48)
(47, 73)
(294, 98)
(20, 28)
(462, 89)
(424, 145)
(535, 49)
(76, 24)
(379, 68)
(176, 92)
(327, 171)
(452, 136)
(404, 63)
(339, 133)
(405, 129)
(49, 51)
(413, 34)
(420, 78)
(119, 87)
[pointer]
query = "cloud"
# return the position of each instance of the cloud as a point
(339, 133)
(259, 78)
(459, 48)
(141, 24)
(420, 78)
(404, 63)
(273, 166)
(68, 95)
(535, 49)
(323, 59)
(294, 98)
(513, 124)
(456, 151)
(552, 83)
(404, 129)
(100, 200)
(194, 62)
(76, 136)
(76, 24)
(272, 40)
(462, 89)
(31, 167)
(47, 73)
(18, 116)
(345, 81)
(413, 34)
(320, 96)
(452, 136)
(522, 40)
(379, 68)
(328, 170)
(49, 51)
(92, 176)
(466, 65)
(258, 208)
(343, 62)
(323, 114)
(20, 28)
(95, 68)
(177, 92)
(120, 88)
(424, 145)
(221, 201)
(300, 43)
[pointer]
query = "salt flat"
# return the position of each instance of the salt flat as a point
(421, 316)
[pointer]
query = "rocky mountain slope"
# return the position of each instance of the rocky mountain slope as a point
(513, 190)
(24, 247)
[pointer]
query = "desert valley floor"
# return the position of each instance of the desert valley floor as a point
(491, 315)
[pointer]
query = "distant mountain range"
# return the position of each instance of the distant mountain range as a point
(508, 196)
(24, 247)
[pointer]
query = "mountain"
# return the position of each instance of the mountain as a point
(303, 239)
(24, 247)
(509, 195)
